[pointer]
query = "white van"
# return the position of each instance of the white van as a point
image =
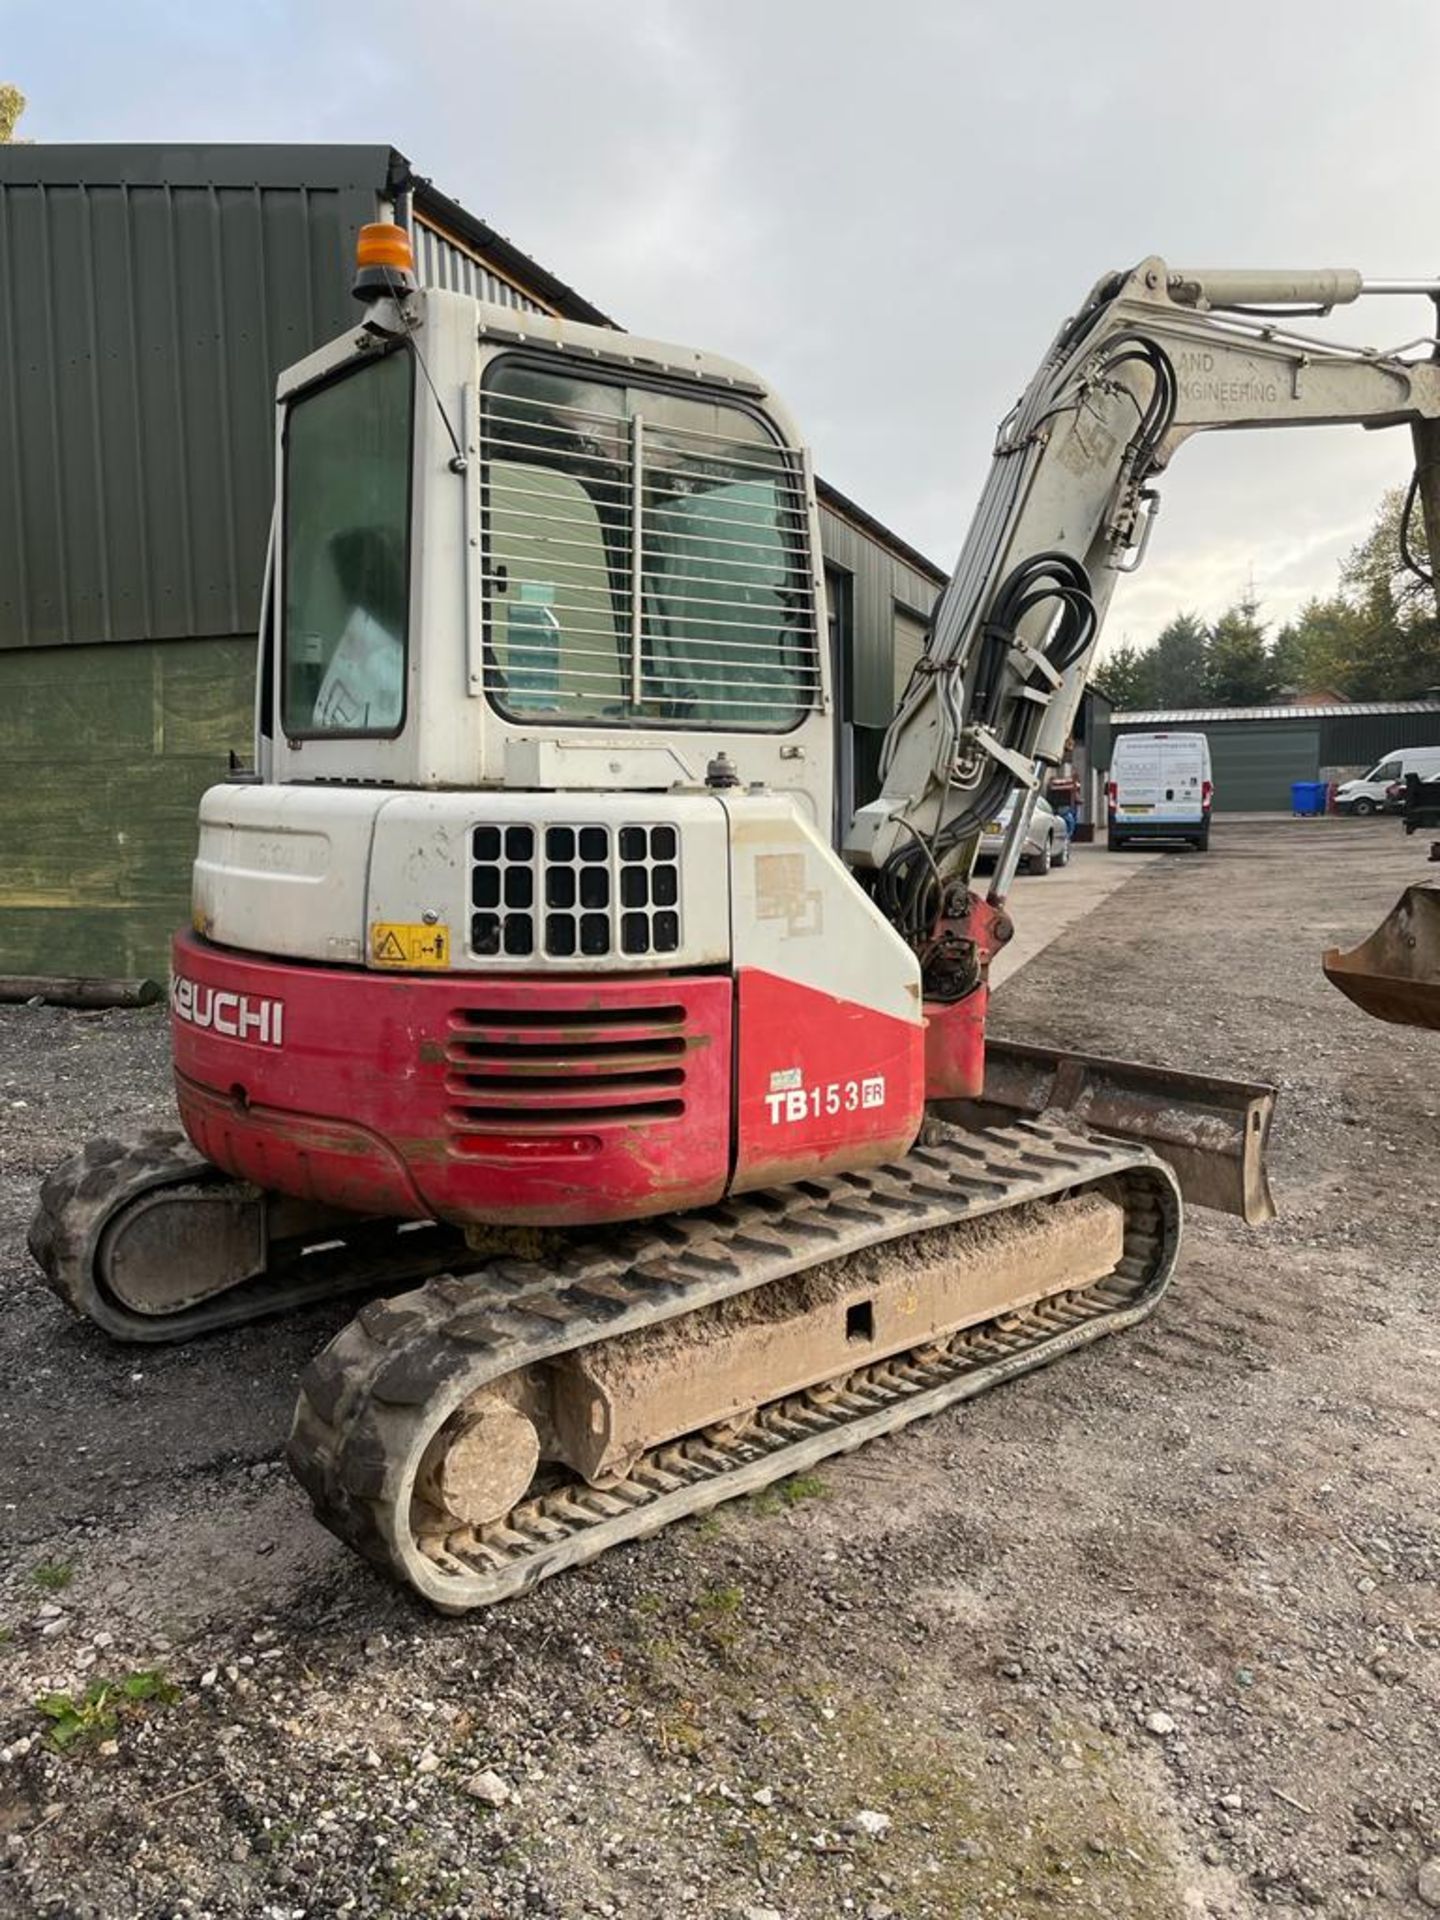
(1368, 794)
(1160, 789)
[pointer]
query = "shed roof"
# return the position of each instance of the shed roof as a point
(1192, 716)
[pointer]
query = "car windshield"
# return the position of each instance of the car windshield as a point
(1042, 807)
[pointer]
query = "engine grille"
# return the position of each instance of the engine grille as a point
(521, 1069)
(581, 891)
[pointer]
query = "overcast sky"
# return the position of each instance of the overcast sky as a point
(886, 206)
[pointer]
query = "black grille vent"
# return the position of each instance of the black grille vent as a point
(551, 1070)
(574, 892)
(649, 890)
(502, 891)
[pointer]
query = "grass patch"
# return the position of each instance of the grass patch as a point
(53, 1576)
(1028, 1856)
(793, 1492)
(720, 1602)
(801, 1487)
(97, 1712)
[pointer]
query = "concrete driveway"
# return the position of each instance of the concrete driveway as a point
(1043, 906)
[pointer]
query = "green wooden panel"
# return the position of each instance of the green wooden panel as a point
(104, 753)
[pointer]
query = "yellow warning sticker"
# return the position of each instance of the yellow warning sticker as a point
(394, 944)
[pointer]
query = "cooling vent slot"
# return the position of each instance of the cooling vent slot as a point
(529, 1070)
(574, 891)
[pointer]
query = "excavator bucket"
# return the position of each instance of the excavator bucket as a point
(1395, 974)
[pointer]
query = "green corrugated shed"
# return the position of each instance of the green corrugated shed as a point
(1257, 753)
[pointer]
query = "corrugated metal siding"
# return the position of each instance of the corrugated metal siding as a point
(442, 262)
(141, 330)
(909, 644)
(1253, 767)
(1351, 739)
(882, 583)
(1330, 710)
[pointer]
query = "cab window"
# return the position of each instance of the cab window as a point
(646, 557)
(346, 556)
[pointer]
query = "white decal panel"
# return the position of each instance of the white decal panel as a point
(238, 1016)
(793, 1102)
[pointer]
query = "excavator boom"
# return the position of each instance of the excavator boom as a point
(1154, 357)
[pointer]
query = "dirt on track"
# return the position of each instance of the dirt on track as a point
(1153, 1633)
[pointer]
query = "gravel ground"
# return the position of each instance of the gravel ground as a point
(1153, 1633)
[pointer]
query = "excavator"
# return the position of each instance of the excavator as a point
(535, 990)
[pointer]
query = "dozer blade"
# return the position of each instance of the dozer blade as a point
(1395, 974)
(1213, 1132)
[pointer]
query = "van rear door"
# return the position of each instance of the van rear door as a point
(1136, 772)
(1182, 775)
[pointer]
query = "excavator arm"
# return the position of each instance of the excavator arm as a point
(1153, 356)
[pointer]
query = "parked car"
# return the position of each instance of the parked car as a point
(1047, 843)
(1160, 788)
(1372, 793)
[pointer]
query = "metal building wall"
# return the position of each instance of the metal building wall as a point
(1258, 752)
(881, 583)
(148, 297)
(1255, 766)
(445, 263)
(1360, 740)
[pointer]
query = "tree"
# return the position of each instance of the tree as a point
(1123, 676)
(1397, 651)
(1317, 651)
(1176, 664)
(12, 105)
(1238, 669)
(1375, 575)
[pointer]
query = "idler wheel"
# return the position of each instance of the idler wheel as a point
(481, 1465)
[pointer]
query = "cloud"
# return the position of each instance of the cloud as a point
(886, 208)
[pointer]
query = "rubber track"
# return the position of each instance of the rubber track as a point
(373, 1399)
(87, 1193)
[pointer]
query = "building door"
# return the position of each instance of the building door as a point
(1253, 763)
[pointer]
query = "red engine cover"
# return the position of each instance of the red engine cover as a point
(469, 1100)
(530, 1101)
(821, 1083)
